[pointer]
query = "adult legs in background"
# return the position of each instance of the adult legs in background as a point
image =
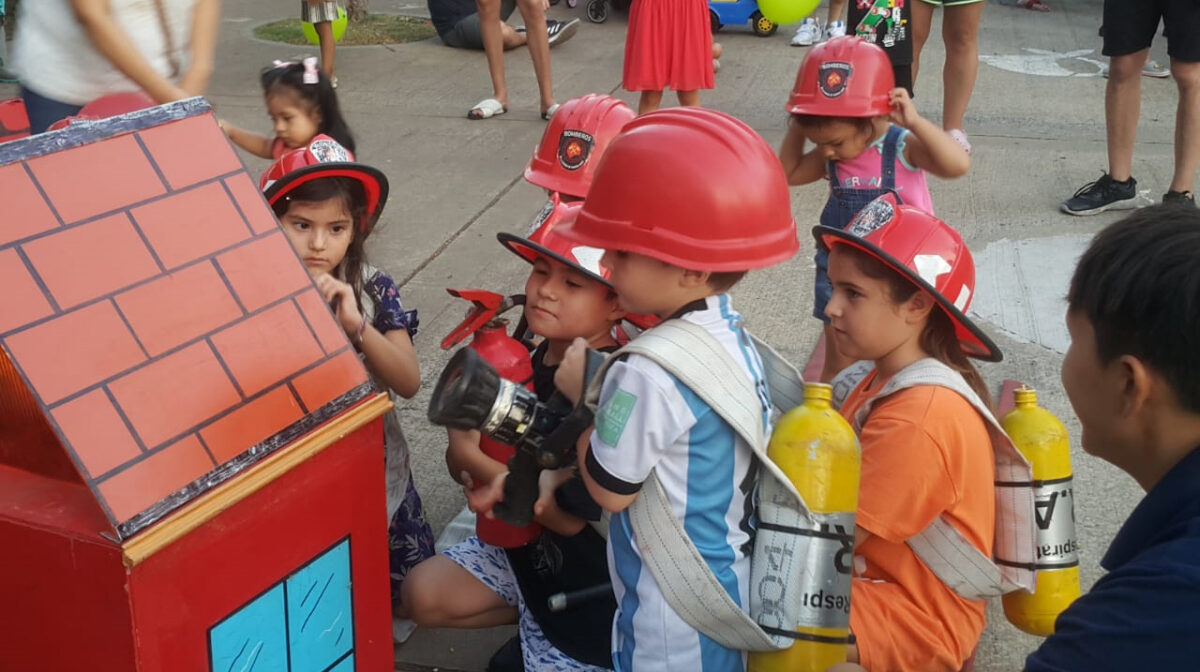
(960, 32)
(649, 101)
(921, 14)
(1122, 105)
(1187, 124)
(538, 40)
(493, 46)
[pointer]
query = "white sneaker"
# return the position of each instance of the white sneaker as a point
(808, 33)
(835, 29)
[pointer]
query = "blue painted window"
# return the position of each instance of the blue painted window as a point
(304, 623)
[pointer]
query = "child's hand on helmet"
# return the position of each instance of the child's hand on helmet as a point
(340, 296)
(569, 377)
(904, 112)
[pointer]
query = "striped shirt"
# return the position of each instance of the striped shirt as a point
(648, 420)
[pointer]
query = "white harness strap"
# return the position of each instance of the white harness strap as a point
(949, 555)
(701, 363)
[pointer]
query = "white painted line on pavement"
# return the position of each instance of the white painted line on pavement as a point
(1021, 287)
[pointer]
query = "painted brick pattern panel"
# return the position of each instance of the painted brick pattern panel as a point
(267, 348)
(64, 355)
(96, 431)
(252, 423)
(133, 490)
(329, 334)
(190, 151)
(155, 308)
(263, 271)
(175, 393)
(22, 301)
(25, 211)
(251, 201)
(94, 179)
(191, 224)
(330, 379)
(179, 307)
(92, 260)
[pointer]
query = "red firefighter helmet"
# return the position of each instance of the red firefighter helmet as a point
(546, 241)
(324, 157)
(691, 187)
(574, 141)
(104, 107)
(843, 77)
(925, 250)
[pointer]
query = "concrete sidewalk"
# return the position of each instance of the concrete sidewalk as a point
(456, 183)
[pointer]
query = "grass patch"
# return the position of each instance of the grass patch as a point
(374, 29)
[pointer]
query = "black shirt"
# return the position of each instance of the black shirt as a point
(555, 564)
(445, 14)
(1144, 612)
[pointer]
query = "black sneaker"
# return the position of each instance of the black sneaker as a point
(560, 31)
(508, 658)
(1103, 194)
(1184, 198)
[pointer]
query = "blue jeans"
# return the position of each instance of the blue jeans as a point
(44, 111)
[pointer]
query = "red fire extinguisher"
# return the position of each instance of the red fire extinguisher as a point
(510, 357)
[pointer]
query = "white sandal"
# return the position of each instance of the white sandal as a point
(486, 109)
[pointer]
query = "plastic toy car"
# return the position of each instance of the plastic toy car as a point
(737, 13)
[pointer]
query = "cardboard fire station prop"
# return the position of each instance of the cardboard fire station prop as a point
(191, 458)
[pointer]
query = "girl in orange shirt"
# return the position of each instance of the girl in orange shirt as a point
(902, 281)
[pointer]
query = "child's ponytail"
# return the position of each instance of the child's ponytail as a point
(939, 339)
(305, 81)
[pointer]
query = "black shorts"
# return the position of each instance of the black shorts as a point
(466, 34)
(1129, 27)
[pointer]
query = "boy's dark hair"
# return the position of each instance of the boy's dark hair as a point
(723, 282)
(1138, 284)
(939, 339)
(352, 195)
(289, 79)
(863, 124)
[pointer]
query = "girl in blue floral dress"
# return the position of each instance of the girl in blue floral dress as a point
(327, 206)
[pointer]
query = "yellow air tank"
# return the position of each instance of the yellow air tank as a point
(1042, 439)
(818, 451)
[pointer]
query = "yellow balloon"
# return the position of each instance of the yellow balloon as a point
(339, 28)
(787, 11)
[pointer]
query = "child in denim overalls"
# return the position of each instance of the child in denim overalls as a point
(869, 139)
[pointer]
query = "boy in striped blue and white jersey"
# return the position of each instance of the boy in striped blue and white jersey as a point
(676, 257)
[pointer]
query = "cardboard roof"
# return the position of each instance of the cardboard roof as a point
(160, 322)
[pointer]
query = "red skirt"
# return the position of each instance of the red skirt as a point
(668, 45)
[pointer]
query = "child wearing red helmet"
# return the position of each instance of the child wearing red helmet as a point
(676, 258)
(931, 449)
(302, 105)
(475, 584)
(868, 139)
(327, 206)
(576, 137)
